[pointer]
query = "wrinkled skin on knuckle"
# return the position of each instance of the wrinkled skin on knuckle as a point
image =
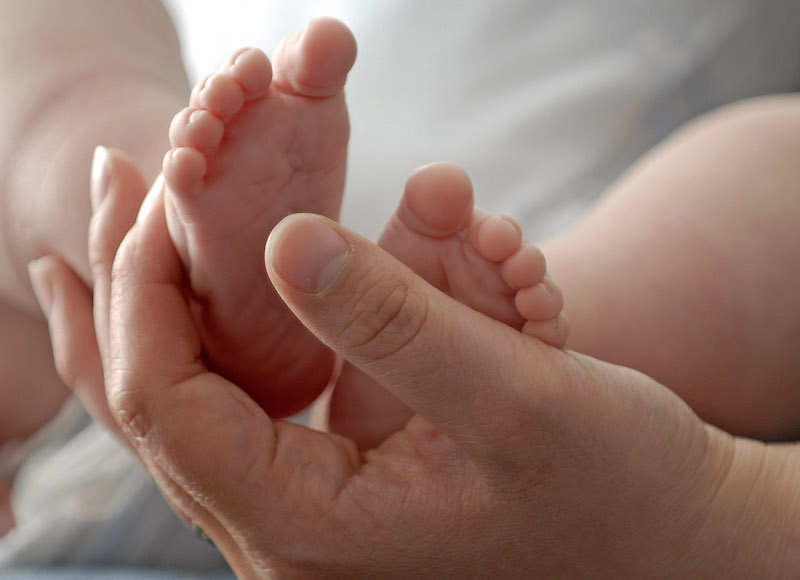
(128, 405)
(387, 316)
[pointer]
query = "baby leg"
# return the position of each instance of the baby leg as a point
(689, 271)
(71, 83)
(255, 144)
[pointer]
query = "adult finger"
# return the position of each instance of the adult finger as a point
(454, 366)
(118, 190)
(73, 316)
(211, 448)
(67, 304)
(119, 201)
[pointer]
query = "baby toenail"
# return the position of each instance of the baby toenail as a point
(154, 197)
(509, 225)
(205, 84)
(202, 85)
(196, 115)
(499, 237)
(238, 55)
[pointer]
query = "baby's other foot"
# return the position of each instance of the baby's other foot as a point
(477, 258)
(259, 142)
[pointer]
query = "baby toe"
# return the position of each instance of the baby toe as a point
(540, 301)
(553, 331)
(195, 128)
(526, 267)
(183, 169)
(219, 94)
(251, 68)
(315, 62)
(498, 237)
(438, 200)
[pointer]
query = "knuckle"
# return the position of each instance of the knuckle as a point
(388, 316)
(130, 407)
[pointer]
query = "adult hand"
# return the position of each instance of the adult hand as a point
(521, 460)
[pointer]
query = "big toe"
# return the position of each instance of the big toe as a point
(438, 200)
(315, 62)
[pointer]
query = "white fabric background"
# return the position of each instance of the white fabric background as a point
(544, 102)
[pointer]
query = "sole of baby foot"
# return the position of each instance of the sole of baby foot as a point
(259, 141)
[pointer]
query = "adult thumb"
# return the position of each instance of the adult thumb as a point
(438, 356)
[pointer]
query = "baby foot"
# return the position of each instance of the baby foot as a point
(477, 258)
(255, 145)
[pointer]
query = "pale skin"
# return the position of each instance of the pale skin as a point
(70, 82)
(271, 126)
(58, 215)
(563, 261)
(260, 141)
(600, 468)
(63, 95)
(582, 469)
(306, 93)
(703, 232)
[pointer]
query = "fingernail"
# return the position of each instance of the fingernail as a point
(307, 252)
(42, 286)
(101, 176)
(152, 199)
